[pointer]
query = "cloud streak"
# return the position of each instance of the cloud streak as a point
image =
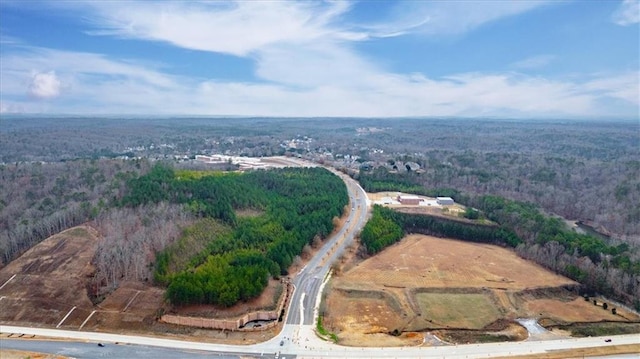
(305, 63)
(628, 13)
(533, 62)
(105, 85)
(236, 28)
(430, 18)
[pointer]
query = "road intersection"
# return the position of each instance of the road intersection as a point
(298, 337)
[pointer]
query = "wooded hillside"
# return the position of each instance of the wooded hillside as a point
(293, 206)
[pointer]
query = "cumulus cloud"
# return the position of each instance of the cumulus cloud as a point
(628, 13)
(44, 85)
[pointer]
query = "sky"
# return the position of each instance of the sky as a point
(458, 58)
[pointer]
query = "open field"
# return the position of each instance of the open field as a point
(429, 262)
(426, 284)
(473, 310)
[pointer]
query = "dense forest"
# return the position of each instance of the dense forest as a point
(38, 200)
(142, 211)
(289, 208)
(59, 172)
(581, 170)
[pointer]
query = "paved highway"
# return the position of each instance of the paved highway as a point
(308, 281)
(297, 337)
(316, 348)
(92, 350)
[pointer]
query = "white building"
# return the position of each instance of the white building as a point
(445, 201)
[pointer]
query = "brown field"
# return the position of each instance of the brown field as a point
(429, 262)
(52, 278)
(473, 310)
(426, 283)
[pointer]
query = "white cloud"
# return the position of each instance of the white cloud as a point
(11, 107)
(533, 62)
(44, 85)
(103, 85)
(449, 17)
(628, 13)
(236, 28)
(68, 65)
(620, 86)
(306, 63)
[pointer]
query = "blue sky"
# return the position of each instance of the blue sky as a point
(511, 59)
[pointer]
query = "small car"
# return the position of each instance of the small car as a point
(281, 342)
(100, 344)
(607, 340)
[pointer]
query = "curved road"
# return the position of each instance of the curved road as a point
(297, 337)
(308, 281)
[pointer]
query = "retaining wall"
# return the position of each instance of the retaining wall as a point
(237, 324)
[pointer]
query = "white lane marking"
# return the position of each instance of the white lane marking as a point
(302, 308)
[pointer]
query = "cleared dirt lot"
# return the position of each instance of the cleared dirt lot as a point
(428, 262)
(427, 284)
(49, 279)
(49, 283)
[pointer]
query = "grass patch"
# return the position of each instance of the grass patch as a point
(189, 248)
(194, 175)
(601, 329)
(474, 310)
(466, 336)
(77, 232)
(325, 333)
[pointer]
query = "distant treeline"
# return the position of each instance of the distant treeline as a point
(38, 200)
(381, 180)
(292, 207)
(602, 267)
(387, 226)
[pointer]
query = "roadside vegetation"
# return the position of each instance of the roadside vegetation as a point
(324, 332)
(600, 329)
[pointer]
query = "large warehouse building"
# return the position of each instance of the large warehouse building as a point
(410, 200)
